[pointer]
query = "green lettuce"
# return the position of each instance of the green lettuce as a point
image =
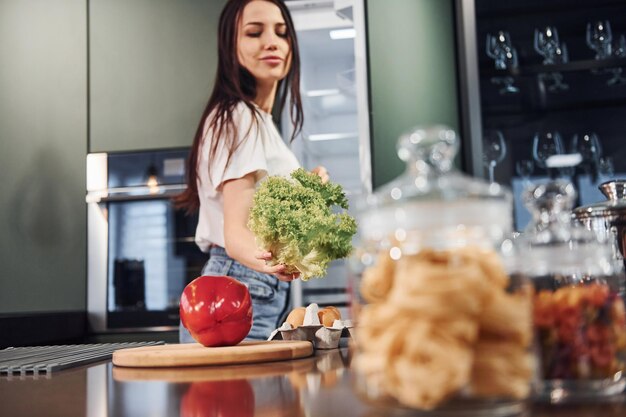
(293, 218)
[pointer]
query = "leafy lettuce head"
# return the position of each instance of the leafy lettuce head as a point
(294, 219)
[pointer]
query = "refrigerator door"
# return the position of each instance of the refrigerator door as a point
(335, 133)
(543, 87)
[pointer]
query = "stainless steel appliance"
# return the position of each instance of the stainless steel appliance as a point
(141, 250)
(336, 133)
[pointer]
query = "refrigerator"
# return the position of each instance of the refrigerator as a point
(335, 133)
(543, 93)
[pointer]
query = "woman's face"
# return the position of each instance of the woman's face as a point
(262, 44)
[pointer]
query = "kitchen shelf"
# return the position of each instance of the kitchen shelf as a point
(500, 10)
(331, 101)
(500, 111)
(331, 136)
(321, 93)
(536, 69)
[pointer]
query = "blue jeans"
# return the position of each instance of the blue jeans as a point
(270, 296)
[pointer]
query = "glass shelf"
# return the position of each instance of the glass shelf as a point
(533, 70)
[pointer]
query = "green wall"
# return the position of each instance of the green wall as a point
(152, 66)
(412, 74)
(43, 125)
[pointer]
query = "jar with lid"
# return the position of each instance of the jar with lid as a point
(444, 319)
(578, 314)
(608, 218)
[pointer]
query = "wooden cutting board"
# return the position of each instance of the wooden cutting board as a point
(194, 354)
(214, 373)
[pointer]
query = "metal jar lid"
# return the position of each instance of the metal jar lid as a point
(614, 207)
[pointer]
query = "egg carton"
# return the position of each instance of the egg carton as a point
(322, 337)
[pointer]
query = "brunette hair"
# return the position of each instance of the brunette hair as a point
(234, 84)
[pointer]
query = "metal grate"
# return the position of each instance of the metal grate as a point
(46, 359)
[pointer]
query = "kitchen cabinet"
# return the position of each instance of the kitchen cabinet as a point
(43, 121)
(151, 68)
(555, 104)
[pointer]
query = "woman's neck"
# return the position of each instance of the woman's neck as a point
(265, 95)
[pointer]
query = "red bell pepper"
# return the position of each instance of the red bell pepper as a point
(217, 310)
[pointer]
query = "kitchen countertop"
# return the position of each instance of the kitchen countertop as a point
(317, 386)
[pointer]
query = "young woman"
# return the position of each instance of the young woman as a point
(237, 144)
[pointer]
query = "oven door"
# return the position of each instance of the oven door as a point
(141, 255)
(147, 255)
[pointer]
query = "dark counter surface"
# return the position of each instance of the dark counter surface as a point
(318, 386)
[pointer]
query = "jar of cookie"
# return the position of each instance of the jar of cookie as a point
(444, 316)
(579, 315)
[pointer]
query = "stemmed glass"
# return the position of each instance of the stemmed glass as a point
(500, 49)
(589, 147)
(545, 145)
(547, 44)
(599, 37)
(494, 150)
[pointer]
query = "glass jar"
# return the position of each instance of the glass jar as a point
(578, 313)
(608, 218)
(444, 321)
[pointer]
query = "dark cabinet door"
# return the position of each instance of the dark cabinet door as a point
(43, 123)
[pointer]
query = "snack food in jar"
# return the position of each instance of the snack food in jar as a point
(444, 318)
(579, 316)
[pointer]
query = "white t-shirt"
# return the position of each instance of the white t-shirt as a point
(261, 150)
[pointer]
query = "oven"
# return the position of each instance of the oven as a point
(141, 250)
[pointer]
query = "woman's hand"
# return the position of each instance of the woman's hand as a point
(239, 241)
(277, 270)
(322, 172)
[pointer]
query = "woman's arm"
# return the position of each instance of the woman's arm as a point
(239, 240)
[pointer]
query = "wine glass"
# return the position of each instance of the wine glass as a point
(599, 37)
(494, 150)
(501, 50)
(589, 147)
(498, 47)
(546, 43)
(512, 63)
(545, 145)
